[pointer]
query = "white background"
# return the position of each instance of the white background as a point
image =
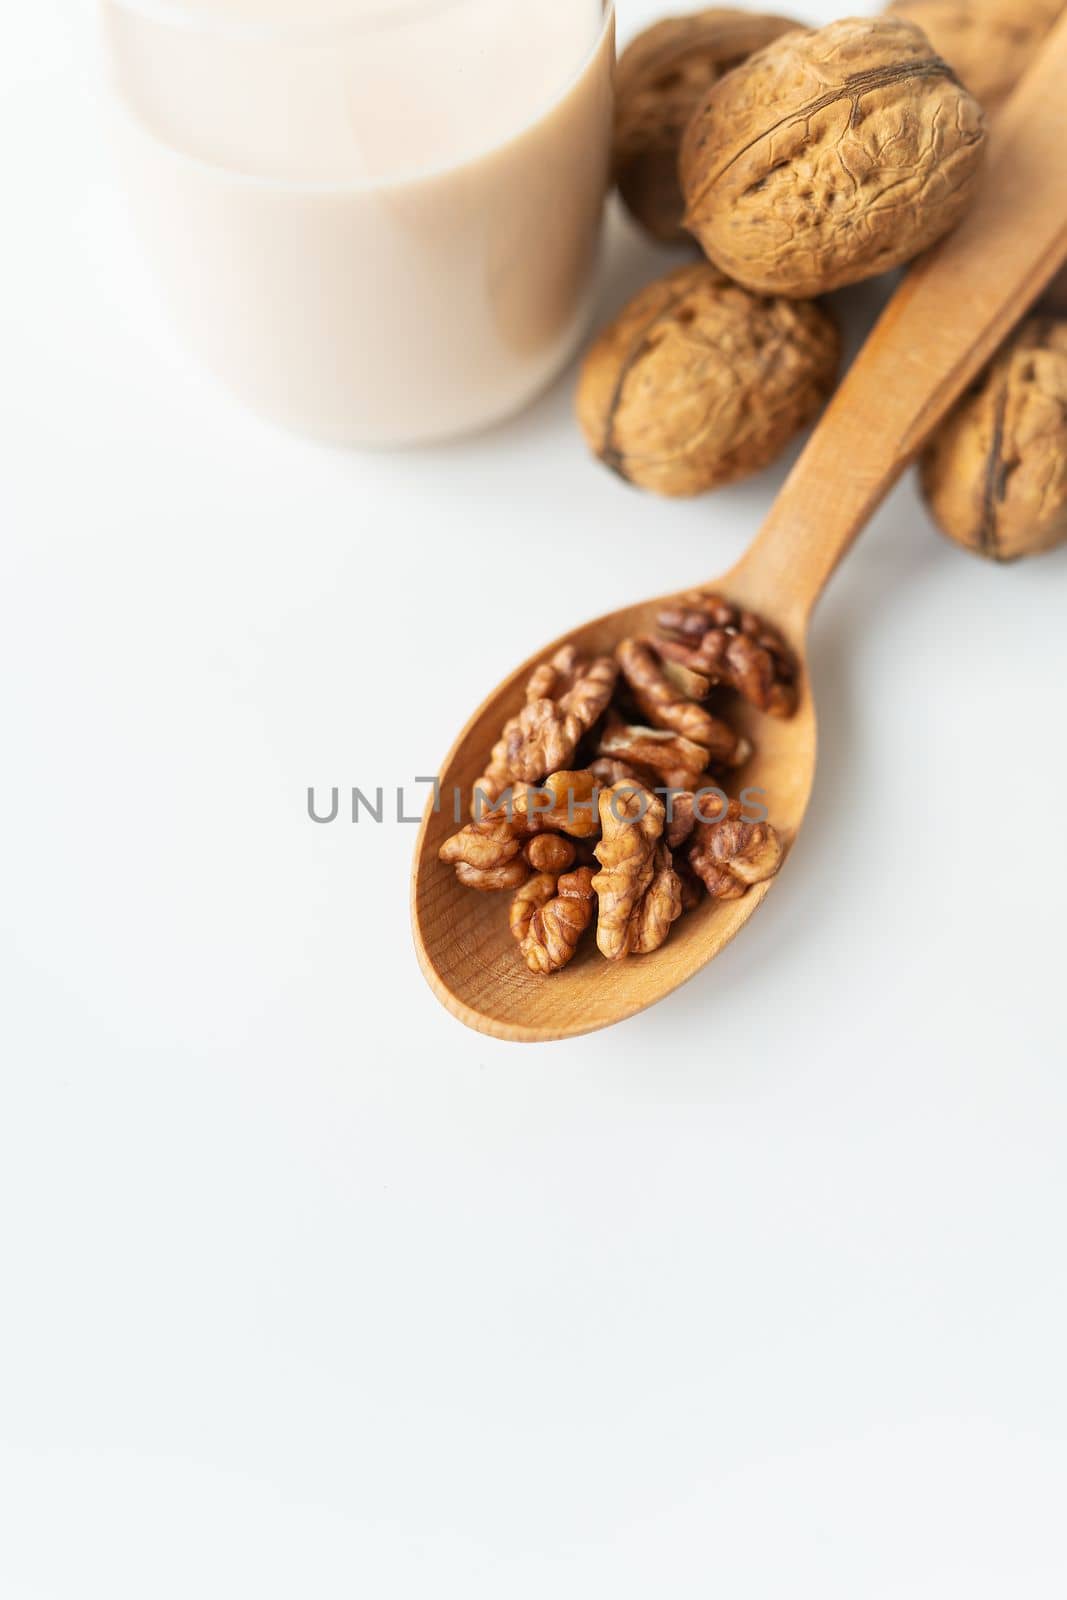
(308, 1292)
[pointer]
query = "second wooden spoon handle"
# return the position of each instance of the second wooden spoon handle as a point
(949, 316)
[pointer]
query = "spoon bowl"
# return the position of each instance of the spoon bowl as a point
(945, 322)
(465, 949)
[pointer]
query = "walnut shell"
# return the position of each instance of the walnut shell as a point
(830, 157)
(699, 383)
(995, 473)
(661, 78)
(988, 43)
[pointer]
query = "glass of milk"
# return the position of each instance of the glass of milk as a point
(376, 220)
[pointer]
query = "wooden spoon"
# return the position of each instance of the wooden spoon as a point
(940, 330)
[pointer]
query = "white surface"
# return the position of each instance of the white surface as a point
(310, 1293)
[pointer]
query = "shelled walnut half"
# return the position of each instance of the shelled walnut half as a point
(830, 157)
(995, 473)
(555, 928)
(730, 854)
(698, 383)
(638, 893)
(712, 637)
(497, 850)
(673, 761)
(565, 697)
(667, 705)
(662, 76)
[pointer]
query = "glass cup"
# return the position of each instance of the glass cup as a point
(376, 220)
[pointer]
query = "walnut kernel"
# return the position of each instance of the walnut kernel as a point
(730, 855)
(564, 698)
(657, 858)
(492, 880)
(564, 803)
(675, 762)
(555, 929)
(533, 895)
(487, 854)
(638, 893)
(732, 647)
(490, 852)
(666, 706)
(608, 771)
(659, 907)
(550, 852)
(681, 819)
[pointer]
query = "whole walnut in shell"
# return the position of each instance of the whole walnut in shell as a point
(661, 78)
(830, 157)
(988, 43)
(699, 383)
(995, 474)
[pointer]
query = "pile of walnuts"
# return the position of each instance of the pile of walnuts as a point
(802, 161)
(603, 800)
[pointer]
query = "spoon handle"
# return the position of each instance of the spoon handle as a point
(953, 310)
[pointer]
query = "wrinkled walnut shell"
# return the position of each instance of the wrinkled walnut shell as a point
(830, 157)
(699, 383)
(995, 473)
(988, 43)
(661, 78)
